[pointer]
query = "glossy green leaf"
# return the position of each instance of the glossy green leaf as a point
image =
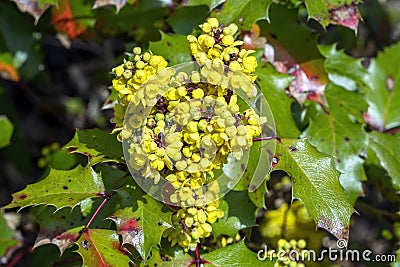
(61, 189)
(316, 183)
(100, 247)
(142, 227)
(62, 227)
(386, 148)
(149, 19)
(237, 255)
(384, 97)
(118, 4)
(258, 196)
(273, 84)
(239, 213)
(8, 237)
(334, 12)
(243, 12)
(210, 3)
(6, 129)
(344, 70)
(172, 42)
(36, 8)
(187, 18)
(97, 145)
(333, 132)
(298, 41)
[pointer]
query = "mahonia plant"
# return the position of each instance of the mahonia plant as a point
(190, 127)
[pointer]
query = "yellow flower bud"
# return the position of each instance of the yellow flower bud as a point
(146, 56)
(201, 216)
(189, 221)
(172, 94)
(195, 157)
(235, 66)
(191, 39)
(253, 120)
(140, 65)
(195, 77)
(137, 50)
(181, 165)
(198, 93)
(155, 60)
(140, 76)
(171, 178)
(206, 227)
(213, 22)
(119, 70)
(206, 27)
(192, 126)
(181, 91)
(250, 63)
(209, 41)
(227, 40)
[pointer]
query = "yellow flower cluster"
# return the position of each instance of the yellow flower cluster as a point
(181, 127)
(289, 247)
(191, 224)
(131, 75)
(217, 43)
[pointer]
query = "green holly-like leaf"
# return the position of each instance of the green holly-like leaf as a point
(6, 130)
(297, 41)
(239, 213)
(97, 145)
(333, 132)
(100, 247)
(172, 42)
(62, 227)
(118, 4)
(243, 12)
(210, 3)
(8, 237)
(344, 70)
(327, 12)
(273, 84)
(35, 8)
(141, 226)
(316, 184)
(383, 99)
(386, 148)
(186, 18)
(61, 189)
(258, 196)
(238, 255)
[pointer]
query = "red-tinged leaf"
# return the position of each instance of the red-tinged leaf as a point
(327, 12)
(310, 81)
(117, 3)
(32, 7)
(61, 189)
(347, 15)
(142, 226)
(101, 248)
(60, 228)
(7, 68)
(71, 18)
(252, 39)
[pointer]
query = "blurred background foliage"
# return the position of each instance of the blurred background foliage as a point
(55, 76)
